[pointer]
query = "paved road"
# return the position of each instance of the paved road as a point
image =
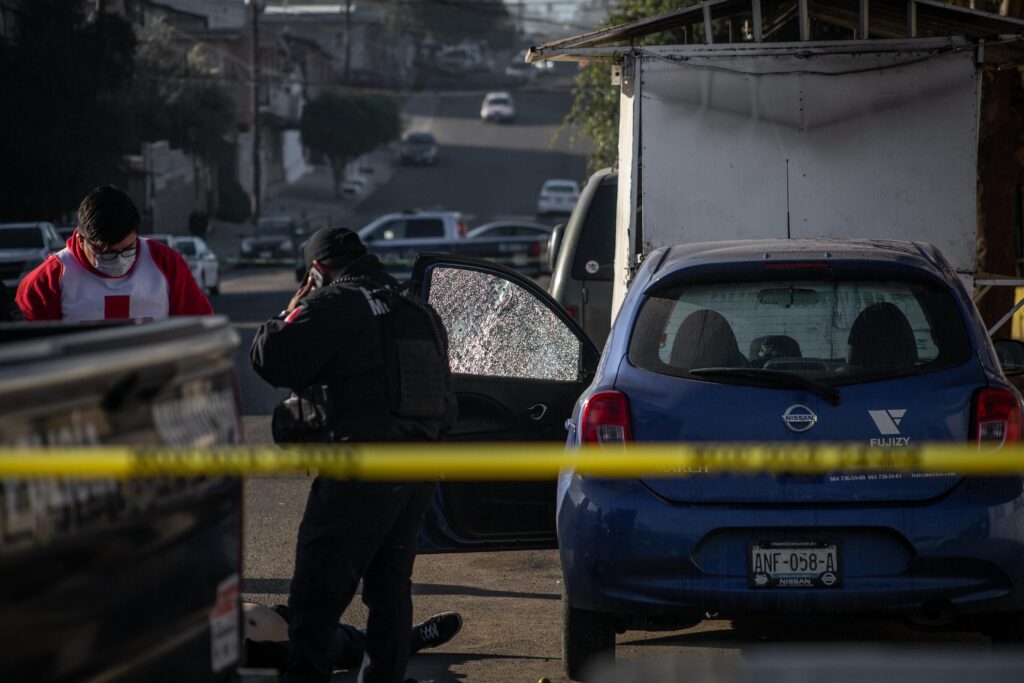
(510, 600)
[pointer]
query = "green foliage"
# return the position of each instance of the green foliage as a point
(343, 127)
(175, 97)
(595, 110)
(61, 126)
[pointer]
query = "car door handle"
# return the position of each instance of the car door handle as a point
(537, 411)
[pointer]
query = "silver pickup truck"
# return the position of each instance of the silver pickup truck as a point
(398, 238)
(119, 580)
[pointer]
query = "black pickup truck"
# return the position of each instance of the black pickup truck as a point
(108, 580)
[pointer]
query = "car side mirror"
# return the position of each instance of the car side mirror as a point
(1011, 355)
(554, 244)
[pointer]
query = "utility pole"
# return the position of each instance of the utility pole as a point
(348, 38)
(255, 5)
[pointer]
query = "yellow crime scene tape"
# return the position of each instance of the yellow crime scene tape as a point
(503, 461)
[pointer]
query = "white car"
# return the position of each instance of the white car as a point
(201, 261)
(23, 246)
(498, 106)
(558, 196)
(354, 187)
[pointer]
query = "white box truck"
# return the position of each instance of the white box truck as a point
(844, 139)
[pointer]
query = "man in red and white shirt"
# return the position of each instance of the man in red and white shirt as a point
(107, 271)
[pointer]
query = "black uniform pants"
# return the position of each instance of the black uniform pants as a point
(352, 531)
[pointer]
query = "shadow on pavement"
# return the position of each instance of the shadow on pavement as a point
(436, 666)
(280, 586)
(759, 631)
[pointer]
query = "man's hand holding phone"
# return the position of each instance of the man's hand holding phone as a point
(313, 280)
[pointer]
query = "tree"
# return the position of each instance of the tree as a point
(343, 127)
(64, 80)
(595, 109)
(176, 97)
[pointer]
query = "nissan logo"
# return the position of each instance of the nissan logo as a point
(799, 418)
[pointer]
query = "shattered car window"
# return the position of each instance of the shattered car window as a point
(497, 328)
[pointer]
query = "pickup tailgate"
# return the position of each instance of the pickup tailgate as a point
(119, 580)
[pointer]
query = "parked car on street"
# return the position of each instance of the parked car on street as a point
(499, 107)
(557, 196)
(201, 261)
(397, 238)
(274, 238)
(418, 148)
(520, 244)
(23, 246)
(518, 71)
(810, 341)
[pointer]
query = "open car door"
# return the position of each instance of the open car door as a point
(519, 363)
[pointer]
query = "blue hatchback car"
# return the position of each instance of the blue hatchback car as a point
(869, 342)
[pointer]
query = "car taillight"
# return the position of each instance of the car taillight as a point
(571, 310)
(460, 228)
(535, 249)
(605, 419)
(997, 417)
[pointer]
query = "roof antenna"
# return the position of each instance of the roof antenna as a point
(788, 236)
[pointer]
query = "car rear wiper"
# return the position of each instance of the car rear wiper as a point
(778, 378)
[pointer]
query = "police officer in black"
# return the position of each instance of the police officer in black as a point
(338, 333)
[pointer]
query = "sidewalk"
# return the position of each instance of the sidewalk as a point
(310, 201)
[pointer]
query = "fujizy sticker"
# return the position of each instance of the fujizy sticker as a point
(224, 618)
(888, 424)
(592, 267)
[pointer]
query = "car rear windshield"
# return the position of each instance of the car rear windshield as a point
(500, 101)
(832, 331)
(185, 247)
(421, 139)
(21, 238)
(560, 188)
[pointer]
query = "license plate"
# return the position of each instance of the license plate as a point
(794, 564)
(266, 254)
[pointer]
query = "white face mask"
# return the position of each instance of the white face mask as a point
(116, 265)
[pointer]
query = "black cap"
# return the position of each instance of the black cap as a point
(333, 244)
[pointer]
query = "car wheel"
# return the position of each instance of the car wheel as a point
(585, 635)
(215, 289)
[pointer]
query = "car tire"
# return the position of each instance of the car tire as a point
(585, 636)
(215, 289)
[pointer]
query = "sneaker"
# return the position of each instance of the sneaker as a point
(437, 630)
(283, 611)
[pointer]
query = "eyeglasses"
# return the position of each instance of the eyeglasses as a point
(105, 253)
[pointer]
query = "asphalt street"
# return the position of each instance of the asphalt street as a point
(511, 600)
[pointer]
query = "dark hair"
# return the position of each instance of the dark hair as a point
(107, 215)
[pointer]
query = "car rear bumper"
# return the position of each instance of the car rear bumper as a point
(624, 551)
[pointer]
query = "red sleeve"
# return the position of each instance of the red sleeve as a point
(185, 296)
(39, 292)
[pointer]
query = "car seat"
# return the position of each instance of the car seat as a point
(881, 337)
(773, 346)
(706, 340)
